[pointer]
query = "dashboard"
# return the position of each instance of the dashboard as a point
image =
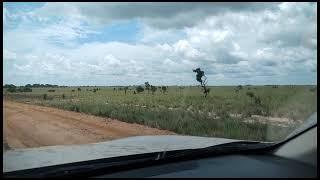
(236, 165)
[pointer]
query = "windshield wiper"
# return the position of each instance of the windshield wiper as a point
(111, 165)
(240, 146)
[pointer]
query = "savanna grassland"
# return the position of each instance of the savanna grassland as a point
(266, 113)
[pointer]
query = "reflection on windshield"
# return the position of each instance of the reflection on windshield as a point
(76, 74)
(311, 121)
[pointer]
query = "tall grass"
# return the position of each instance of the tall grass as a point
(185, 111)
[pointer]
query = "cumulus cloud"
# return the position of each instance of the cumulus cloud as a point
(151, 13)
(234, 43)
(8, 55)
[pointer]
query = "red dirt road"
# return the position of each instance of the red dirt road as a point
(34, 126)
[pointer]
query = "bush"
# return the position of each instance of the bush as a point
(153, 89)
(164, 89)
(27, 89)
(257, 100)
(76, 108)
(250, 94)
(45, 96)
(312, 89)
(79, 89)
(51, 90)
(139, 89)
(10, 87)
(63, 96)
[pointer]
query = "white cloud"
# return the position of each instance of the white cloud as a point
(235, 44)
(112, 60)
(9, 55)
(4, 15)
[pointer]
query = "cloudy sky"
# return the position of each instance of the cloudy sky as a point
(130, 43)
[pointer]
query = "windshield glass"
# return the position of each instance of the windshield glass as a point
(80, 73)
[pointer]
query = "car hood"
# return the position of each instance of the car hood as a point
(20, 159)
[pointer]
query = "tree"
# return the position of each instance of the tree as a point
(164, 89)
(147, 86)
(10, 87)
(153, 89)
(26, 89)
(125, 89)
(200, 77)
(250, 94)
(139, 89)
(28, 85)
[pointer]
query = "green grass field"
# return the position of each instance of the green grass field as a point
(184, 110)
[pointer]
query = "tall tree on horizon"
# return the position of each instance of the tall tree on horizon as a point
(200, 77)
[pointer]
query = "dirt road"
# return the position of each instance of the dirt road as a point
(34, 126)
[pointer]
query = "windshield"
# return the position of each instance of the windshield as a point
(81, 73)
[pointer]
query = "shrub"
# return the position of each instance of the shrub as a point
(312, 89)
(153, 89)
(45, 97)
(27, 89)
(139, 89)
(76, 108)
(257, 100)
(164, 89)
(10, 88)
(51, 90)
(250, 94)
(63, 96)
(79, 89)
(9, 85)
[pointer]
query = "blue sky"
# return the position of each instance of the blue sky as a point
(130, 43)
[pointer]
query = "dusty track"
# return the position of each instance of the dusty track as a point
(34, 126)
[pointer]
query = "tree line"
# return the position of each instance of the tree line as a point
(13, 88)
(147, 87)
(200, 77)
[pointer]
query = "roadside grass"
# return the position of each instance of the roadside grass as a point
(185, 111)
